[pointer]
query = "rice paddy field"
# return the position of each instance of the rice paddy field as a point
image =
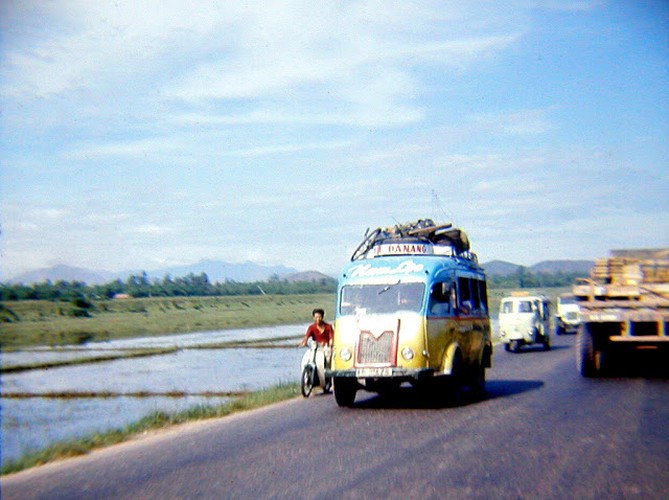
(51, 323)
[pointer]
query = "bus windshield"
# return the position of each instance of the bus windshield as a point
(381, 299)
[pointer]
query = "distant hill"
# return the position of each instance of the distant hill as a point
(217, 271)
(563, 266)
(503, 268)
(220, 271)
(500, 267)
(64, 273)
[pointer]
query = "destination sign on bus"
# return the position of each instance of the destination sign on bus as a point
(405, 248)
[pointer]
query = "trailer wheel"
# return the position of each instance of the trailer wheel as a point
(344, 390)
(587, 357)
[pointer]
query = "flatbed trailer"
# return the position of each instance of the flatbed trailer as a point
(623, 306)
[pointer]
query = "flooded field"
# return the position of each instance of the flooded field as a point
(112, 394)
(34, 422)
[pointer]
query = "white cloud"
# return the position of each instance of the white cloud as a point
(519, 122)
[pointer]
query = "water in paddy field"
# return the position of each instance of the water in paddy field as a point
(33, 423)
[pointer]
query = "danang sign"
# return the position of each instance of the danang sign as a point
(403, 249)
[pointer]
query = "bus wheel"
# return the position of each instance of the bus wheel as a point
(477, 380)
(344, 390)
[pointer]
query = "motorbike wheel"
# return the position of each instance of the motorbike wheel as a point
(307, 384)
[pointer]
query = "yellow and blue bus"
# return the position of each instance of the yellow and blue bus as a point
(412, 307)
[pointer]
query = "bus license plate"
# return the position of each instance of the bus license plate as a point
(373, 372)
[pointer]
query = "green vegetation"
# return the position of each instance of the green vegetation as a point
(27, 323)
(153, 421)
(41, 322)
(522, 278)
(141, 285)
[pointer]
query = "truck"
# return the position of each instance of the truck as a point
(624, 307)
(412, 308)
(567, 317)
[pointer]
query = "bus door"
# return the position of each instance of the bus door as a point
(441, 319)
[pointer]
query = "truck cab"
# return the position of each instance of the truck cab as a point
(524, 319)
(567, 317)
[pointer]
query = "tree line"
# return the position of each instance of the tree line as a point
(140, 285)
(524, 278)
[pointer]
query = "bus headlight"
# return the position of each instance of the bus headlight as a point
(345, 354)
(407, 353)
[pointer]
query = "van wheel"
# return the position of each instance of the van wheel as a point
(344, 390)
(514, 346)
(546, 343)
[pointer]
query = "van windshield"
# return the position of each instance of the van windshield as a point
(381, 299)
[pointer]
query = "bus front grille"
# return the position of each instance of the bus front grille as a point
(375, 350)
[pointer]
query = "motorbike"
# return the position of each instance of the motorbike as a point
(313, 364)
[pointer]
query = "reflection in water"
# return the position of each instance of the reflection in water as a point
(31, 424)
(37, 422)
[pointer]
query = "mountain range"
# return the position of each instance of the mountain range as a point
(219, 271)
(503, 268)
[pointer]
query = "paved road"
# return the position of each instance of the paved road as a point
(541, 432)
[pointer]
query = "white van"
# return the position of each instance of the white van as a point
(524, 320)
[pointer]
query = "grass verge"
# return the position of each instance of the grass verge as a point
(43, 323)
(153, 421)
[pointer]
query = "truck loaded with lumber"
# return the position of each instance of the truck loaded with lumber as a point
(624, 307)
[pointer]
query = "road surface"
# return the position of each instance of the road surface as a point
(542, 431)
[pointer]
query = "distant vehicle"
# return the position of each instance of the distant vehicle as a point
(624, 306)
(412, 306)
(524, 320)
(567, 318)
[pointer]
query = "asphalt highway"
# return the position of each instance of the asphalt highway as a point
(542, 431)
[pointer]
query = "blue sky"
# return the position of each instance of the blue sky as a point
(139, 135)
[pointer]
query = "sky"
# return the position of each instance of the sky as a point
(143, 135)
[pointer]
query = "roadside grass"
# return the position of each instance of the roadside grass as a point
(40, 323)
(43, 323)
(153, 421)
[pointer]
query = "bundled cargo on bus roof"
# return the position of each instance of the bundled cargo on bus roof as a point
(422, 237)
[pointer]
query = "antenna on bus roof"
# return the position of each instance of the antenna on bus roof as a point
(437, 205)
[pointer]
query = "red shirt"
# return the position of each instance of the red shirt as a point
(323, 337)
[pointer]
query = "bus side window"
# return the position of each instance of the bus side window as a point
(464, 297)
(439, 300)
(483, 295)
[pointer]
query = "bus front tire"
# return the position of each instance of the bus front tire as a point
(345, 389)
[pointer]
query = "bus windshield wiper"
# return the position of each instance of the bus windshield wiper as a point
(385, 289)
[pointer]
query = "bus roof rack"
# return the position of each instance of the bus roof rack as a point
(420, 231)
